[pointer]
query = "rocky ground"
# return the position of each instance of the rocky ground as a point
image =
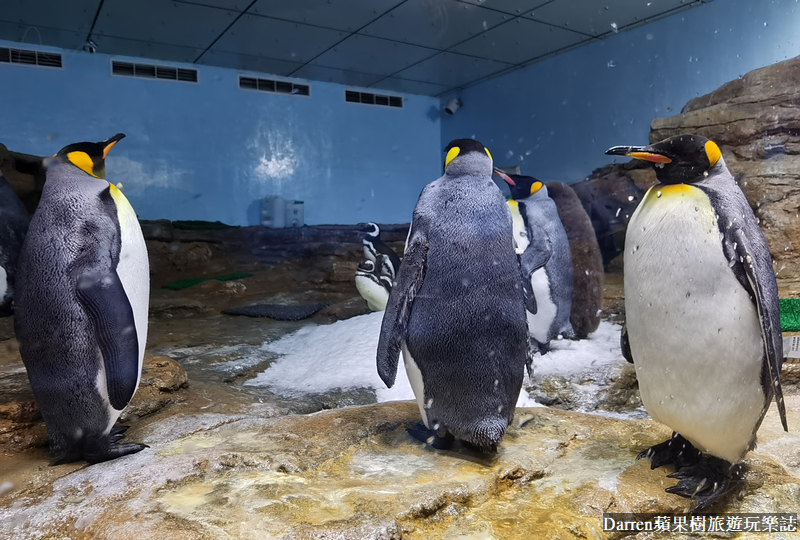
(227, 460)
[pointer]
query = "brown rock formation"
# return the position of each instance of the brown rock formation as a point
(756, 122)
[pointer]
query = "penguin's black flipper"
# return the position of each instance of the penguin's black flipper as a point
(534, 257)
(398, 308)
(766, 293)
(625, 345)
(105, 301)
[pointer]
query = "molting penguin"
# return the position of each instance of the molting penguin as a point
(374, 282)
(701, 303)
(457, 310)
(82, 300)
(587, 260)
(14, 222)
(373, 246)
(540, 235)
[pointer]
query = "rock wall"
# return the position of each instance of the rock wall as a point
(756, 122)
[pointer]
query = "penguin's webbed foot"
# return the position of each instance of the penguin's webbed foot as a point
(676, 451)
(117, 433)
(113, 451)
(705, 482)
(430, 437)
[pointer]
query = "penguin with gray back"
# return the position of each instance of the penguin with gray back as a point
(457, 310)
(587, 260)
(546, 258)
(81, 306)
(702, 315)
(14, 222)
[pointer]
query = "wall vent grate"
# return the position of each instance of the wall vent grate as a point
(351, 96)
(29, 58)
(146, 71)
(278, 87)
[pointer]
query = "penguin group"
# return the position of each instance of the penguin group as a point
(487, 284)
(81, 295)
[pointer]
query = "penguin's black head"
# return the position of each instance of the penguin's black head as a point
(682, 159)
(467, 156)
(525, 186)
(372, 230)
(88, 157)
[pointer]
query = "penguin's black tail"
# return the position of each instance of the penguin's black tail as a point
(488, 433)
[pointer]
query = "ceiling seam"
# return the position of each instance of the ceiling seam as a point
(224, 31)
(94, 22)
(349, 36)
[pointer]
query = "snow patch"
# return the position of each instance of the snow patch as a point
(318, 359)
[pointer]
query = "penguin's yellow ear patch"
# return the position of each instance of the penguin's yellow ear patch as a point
(451, 155)
(713, 152)
(83, 162)
(488, 154)
(536, 186)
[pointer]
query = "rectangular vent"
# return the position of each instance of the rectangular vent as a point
(278, 87)
(145, 71)
(29, 58)
(367, 98)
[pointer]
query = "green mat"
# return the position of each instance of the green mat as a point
(790, 314)
(191, 282)
(202, 225)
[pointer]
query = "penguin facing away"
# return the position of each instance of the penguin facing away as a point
(373, 281)
(702, 316)
(374, 246)
(14, 222)
(546, 257)
(82, 301)
(587, 260)
(457, 310)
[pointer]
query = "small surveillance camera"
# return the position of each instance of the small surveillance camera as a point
(90, 46)
(452, 106)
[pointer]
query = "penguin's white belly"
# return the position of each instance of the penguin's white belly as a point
(539, 324)
(417, 384)
(521, 240)
(694, 333)
(133, 269)
(375, 294)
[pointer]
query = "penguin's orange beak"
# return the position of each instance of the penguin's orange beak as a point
(504, 176)
(108, 144)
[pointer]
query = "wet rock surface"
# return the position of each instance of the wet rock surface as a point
(354, 473)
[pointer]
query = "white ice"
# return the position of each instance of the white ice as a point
(317, 359)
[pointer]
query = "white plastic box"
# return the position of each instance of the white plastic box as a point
(294, 213)
(273, 212)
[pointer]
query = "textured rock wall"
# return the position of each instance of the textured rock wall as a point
(756, 122)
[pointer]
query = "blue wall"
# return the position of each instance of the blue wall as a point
(555, 119)
(211, 151)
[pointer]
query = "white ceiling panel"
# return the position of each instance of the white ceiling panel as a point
(27, 35)
(233, 5)
(248, 63)
(438, 24)
(74, 15)
(339, 14)
(341, 76)
(519, 40)
(410, 87)
(271, 38)
(451, 69)
(595, 17)
(512, 7)
(372, 55)
(188, 25)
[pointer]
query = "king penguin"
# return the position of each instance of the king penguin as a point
(457, 310)
(81, 308)
(702, 319)
(14, 222)
(545, 257)
(374, 246)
